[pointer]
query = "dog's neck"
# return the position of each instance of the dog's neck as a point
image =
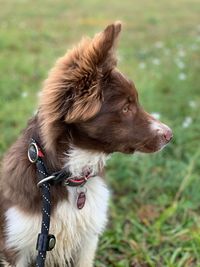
(79, 160)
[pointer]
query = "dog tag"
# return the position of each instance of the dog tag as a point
(81, 200)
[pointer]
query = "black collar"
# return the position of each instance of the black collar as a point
(35, 154)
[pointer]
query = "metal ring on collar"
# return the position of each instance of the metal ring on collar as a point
(33, 152)
(45, 180)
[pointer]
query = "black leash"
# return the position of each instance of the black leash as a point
(46, 241)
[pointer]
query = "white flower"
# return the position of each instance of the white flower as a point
(192, 104)
(181, 53)
(187, 121)
(182, 76)
(159, 44)
(142, 65)
(180, 64)
(24, 94)
(156, 61)
(156, 115)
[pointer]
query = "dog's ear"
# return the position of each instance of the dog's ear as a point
(95, 57)
(104, 44)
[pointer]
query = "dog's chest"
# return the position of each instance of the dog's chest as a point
(71, 225)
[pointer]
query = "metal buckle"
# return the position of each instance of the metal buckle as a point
(33, 152)
(66, 181)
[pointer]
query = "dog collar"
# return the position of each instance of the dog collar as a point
(35, 154)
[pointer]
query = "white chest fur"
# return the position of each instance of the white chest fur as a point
(70, 225)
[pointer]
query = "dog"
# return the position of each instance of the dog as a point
(87, 110)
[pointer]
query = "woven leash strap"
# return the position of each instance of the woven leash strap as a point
(45, 242)
(43, 237)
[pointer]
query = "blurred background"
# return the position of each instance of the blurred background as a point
(155, 206)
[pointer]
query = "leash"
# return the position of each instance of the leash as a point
(45, 241)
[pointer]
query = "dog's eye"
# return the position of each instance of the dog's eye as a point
(125, 109)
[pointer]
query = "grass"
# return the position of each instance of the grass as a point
(155, 207)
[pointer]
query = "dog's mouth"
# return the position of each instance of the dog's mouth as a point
(150, 149)
(152, 145)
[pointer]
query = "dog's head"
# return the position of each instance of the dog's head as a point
(88, 94)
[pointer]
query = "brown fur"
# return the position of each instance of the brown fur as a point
(85, 102)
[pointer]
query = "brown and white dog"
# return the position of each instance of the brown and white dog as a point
(88, 110)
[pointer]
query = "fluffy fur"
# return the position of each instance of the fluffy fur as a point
(87, 111)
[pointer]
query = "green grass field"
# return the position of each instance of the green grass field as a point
(155, 207)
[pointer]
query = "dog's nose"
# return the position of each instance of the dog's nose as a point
(164, 131)
(168, 134)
